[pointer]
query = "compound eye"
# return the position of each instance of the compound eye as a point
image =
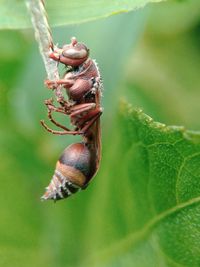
(74, 53)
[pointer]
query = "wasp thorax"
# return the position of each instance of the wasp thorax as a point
(74, 169)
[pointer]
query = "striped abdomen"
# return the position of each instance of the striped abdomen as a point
(74, 170)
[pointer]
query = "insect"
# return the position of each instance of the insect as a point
(80, 161)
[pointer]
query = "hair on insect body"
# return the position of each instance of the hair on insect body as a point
(80, 161)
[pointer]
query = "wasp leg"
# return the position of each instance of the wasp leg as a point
(50, 84)
(56, 123)
(59, 132)
(81, 110)
(82, 113)
(52, 107)
(90, 120)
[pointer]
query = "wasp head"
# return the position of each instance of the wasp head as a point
(73, 54)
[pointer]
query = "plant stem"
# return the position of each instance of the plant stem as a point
(43, 35)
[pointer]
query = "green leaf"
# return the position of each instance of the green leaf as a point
(135, 212)
(13, 14)
(151, 201)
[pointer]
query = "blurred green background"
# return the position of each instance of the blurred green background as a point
(151, 57)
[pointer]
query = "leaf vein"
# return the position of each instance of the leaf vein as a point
(135, 237)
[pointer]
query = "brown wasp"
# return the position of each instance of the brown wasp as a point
(80, 161)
